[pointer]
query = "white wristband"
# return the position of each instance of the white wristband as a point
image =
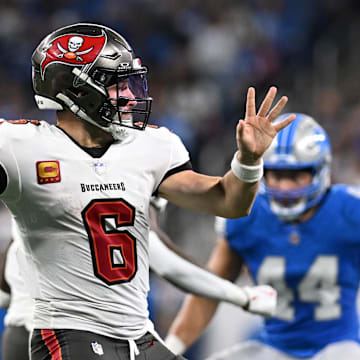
(247, 173)
(175, 344)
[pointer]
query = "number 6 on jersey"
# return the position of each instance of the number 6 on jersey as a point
(113, 251)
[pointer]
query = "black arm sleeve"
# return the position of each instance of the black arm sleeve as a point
(4, 286)
(3, 180)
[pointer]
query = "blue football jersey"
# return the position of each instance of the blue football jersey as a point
(314, 266)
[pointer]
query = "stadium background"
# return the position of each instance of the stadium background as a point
(202, 57)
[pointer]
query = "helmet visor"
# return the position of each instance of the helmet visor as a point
(129, 96)
(138, 85)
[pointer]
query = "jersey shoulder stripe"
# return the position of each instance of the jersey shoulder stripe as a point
(22, 128)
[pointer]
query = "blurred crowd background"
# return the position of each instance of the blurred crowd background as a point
(202, 56)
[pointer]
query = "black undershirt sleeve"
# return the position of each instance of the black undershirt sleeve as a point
(3, 180)
(183, 167)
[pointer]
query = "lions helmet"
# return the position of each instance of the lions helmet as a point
(73, 67)
(303, 144)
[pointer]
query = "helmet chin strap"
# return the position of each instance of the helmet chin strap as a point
(117, 132)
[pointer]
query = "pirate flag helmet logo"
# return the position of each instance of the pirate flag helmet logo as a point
(73, 49)
(73, 68)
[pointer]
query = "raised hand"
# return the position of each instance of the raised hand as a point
(255, 134)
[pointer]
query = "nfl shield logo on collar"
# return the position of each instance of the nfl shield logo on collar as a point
(99, 167)
(97, 348)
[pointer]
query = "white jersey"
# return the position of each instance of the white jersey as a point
(84, 223)
(21, 308)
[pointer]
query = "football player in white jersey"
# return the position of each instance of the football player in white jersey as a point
(19, 305)
(15, 295)
(79, 192)
(15, 298)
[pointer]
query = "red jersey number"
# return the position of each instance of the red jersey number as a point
(113, 250)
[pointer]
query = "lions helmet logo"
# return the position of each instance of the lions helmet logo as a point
(73, 49)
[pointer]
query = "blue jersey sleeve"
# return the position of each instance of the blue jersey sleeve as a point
(349, 197)
(239, 232)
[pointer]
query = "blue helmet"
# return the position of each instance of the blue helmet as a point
(303, 144)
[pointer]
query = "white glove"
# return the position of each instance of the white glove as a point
(262, 300)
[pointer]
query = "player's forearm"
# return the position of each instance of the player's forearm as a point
(197, 312)
(193, 318)
(227, 197)
(241, 184)
(190, 277)
(232, 197)
(239, 196)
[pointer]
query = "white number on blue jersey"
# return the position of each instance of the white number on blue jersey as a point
(318, 285)
(272, 272)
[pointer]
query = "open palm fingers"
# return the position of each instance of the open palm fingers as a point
(250, 103)
(265, 110)
(280, 125)
(267, 102)
(276, 110)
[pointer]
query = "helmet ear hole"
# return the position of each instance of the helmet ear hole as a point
(106, 113)
(103, 78)
(77, 92)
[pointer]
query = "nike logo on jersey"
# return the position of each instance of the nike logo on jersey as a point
(48, 172)
(102, 187)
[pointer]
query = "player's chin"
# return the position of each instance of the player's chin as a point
(126, 120)
(126, 117)
(288, 203)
